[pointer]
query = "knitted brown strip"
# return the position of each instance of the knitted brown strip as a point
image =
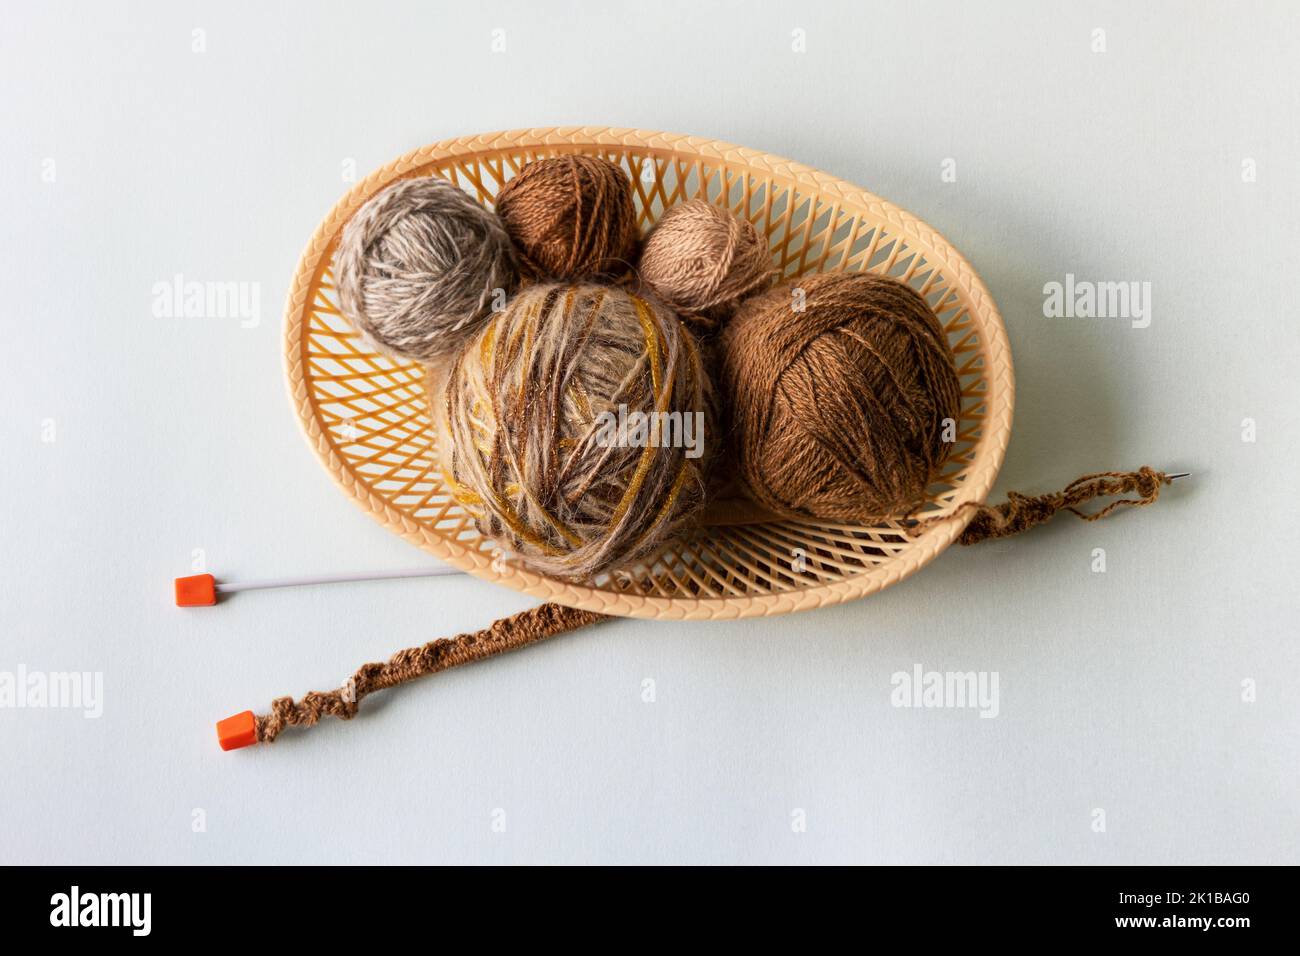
(528, 627)
(1017, 514)
(1022, 512)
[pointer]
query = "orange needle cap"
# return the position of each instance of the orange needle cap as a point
(237, 731)
(198, 590)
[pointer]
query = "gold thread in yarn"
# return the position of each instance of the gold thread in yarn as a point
(523, 421)
(570, 217)
(702, 259)
(839, 410)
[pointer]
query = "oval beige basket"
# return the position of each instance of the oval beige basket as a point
(365, 415)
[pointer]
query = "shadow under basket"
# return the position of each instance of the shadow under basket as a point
(367, 418)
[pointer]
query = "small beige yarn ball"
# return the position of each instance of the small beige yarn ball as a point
(702, 259)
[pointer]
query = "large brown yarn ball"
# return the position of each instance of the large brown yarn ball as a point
(571, 217)
(703, 259)
(420, 266)
(542, 433)
(839, 411)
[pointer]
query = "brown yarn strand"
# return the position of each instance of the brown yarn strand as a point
(1018, 513)
(1022, 512)
(507, 634)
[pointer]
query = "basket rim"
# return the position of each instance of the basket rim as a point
(990, 449)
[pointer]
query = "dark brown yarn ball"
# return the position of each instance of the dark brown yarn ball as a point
(838, 411)
(571, 217)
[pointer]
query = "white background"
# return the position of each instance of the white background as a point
(1120, 691)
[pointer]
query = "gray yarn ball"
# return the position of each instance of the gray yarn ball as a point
(419, 266)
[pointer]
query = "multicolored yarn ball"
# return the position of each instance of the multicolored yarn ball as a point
(844, 410)
(702, 259)
(575, 429)
(420, 266)
(571, 218)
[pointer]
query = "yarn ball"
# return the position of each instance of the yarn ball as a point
(838, 411)
(419, 268)
(571, 217)
(702, 259)
(575, 428)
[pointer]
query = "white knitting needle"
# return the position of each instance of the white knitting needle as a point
(201, 590)
(230, 587)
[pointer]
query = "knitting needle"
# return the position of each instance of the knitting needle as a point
(230, 587)
(201, 590)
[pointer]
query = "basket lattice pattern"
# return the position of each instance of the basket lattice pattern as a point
(366, 415)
